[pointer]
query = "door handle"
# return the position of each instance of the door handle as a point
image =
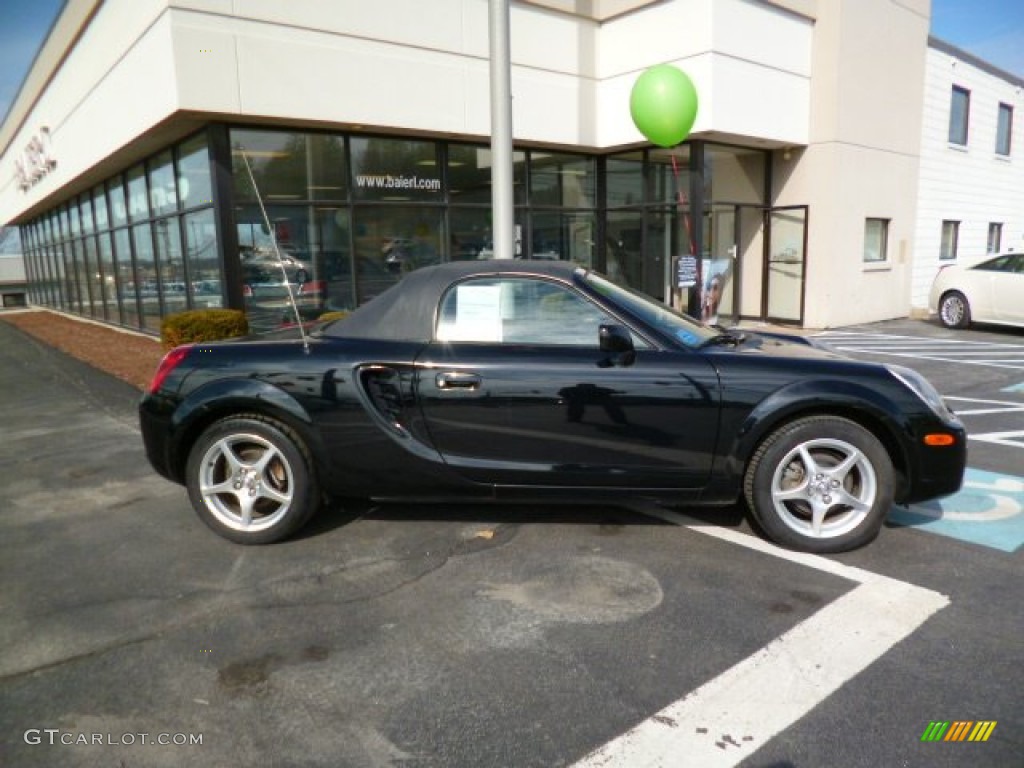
(457, 380)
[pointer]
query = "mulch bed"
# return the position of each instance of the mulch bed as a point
(131, 357)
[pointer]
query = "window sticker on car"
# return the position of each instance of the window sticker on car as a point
(477, 315)
(689, 339)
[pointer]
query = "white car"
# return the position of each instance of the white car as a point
(987, 290)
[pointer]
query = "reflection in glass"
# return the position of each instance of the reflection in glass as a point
(562, 180)
(94, 277)
(194, 183)
(146, 276)
(392, 241)
(173, 282)
(278, 163)
(162, 188)
(80, 269)
(623, 262)
(469, 174)
(624, 176)
(670, 175)
(126, 278)
(99, 204)
(118, 209)
(85, 208)
(563, 237)
(203, 263)
(108, 281)
(471, 236)
(331, 287)
(138, 204)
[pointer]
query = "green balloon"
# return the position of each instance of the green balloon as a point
(663, 105)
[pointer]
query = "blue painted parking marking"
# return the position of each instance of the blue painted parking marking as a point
(987, 510)
(1015, 388)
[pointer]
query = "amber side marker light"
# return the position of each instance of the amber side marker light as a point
(939, 439)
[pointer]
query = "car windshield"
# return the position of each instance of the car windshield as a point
(680, 327)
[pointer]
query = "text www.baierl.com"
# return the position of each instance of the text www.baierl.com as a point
(387, 181)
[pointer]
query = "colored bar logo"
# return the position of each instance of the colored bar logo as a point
(958, 730)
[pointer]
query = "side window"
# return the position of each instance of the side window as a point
(519, 311)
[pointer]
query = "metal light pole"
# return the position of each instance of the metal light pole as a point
(502, 200)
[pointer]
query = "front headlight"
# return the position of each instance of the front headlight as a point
(921, 387)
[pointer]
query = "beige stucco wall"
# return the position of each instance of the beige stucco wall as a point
(862, 158)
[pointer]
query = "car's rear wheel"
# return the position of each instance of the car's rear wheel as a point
(250, 478)
(954, 310)
(820, 484)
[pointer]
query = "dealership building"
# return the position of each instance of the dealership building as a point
(838, 158)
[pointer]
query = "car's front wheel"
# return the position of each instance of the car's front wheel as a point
(250, 478)
(820, 484)
(954, 310)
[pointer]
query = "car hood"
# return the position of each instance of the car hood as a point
(781, 345)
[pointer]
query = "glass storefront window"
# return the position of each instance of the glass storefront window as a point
(195, 186)
(173, 280)
(623, 257)
(624, 180)
(469, 174)
(162, 187)
(85, 208)
(277, 160)
(138, 205)
(78, 268)
(328, 171)
(74, 228)
(203, 263)
(567, 181)
(118, 209)
(126, 274)
(108, 285)
(99, 204)
(391, 241)
(146, 276)
(395, 170)
(563, 237)
(94, 276)
(330, 286)
(471, 235)
(670, 175)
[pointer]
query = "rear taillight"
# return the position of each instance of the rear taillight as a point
(168, 364)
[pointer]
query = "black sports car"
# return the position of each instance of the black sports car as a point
(512, 380)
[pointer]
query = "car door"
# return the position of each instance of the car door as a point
(1008, 290)
(515, 390)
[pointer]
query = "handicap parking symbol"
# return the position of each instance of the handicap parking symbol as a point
(987, 510)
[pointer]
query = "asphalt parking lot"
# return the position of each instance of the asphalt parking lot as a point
(478, 636)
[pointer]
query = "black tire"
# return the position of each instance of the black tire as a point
(250, 478)
(954, 310)
(822, 467)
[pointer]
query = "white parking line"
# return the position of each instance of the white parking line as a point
(728, 718)
(967, 352)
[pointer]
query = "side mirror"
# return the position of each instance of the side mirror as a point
(616, 341)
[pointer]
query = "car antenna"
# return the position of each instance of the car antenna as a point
(277, 251)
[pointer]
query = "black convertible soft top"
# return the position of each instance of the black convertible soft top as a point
(405, 311)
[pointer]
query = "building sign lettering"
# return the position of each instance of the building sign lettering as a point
(36, 160)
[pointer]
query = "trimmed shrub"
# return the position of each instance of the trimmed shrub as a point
(199, 325)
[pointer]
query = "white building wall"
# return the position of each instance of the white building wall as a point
(972, 184)
(144, 71)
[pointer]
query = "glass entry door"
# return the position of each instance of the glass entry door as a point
(786, 267)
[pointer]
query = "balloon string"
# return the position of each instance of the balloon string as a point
(684, 210)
